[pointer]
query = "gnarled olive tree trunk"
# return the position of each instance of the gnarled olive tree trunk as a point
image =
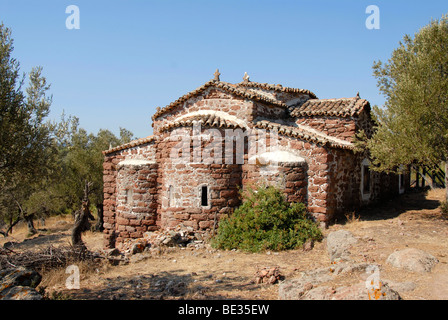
(82, 218)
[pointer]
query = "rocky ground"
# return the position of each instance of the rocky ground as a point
(397, 250)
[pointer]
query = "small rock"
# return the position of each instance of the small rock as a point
(9, 244)
(308, 245)
(113, 252)
(268, 275)
(308, 286)
(138, 247)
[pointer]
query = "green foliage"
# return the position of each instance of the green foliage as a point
(81, 159)
(43, 165)
(27, 148)
(25, 137)
(266, 221)
(413, 124)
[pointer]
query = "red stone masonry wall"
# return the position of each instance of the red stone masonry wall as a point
(109, 203)
(182, 203)
(136, 210)
(342, 128)
(262, 111)
(146, 189)
(290, 177)
(344, 191)
(111, 188)
(317, 159)
(345, 183)
(212, 99)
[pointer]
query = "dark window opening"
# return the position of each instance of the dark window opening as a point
(402, 180)
(204, 196)
(366, 185)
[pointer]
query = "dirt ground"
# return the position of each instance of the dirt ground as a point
(411, 220)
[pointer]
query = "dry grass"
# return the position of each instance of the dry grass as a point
(53, 225)
(412, 220)
(352, 217)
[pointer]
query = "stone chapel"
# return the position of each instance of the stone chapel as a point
(223, 137)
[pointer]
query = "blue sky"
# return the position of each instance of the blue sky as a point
(128, 57)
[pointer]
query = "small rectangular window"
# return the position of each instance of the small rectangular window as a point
(204, 196)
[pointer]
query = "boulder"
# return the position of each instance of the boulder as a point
(301, 289)
(347, 268)
(319, 293)
(412, 259)
(338, 245)
(19, 283)
(361, 292)
(19, 276)
(295, 289)
(20, 293)
(313, 284)
(401, 286)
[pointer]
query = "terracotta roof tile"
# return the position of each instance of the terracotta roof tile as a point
(131, 144)
(305, 134)
(210, 120)
(241, 89)
(344, 107)
(276, 87)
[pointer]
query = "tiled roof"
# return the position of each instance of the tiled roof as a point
(291, 131)
(310, 135)
(216, 121)
(131, 144)
(242, 90)
(210, 120)
(276, 87)
(344, 107)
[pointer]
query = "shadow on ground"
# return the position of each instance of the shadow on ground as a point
(41, 239)
(174, 285)
(416, 200)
